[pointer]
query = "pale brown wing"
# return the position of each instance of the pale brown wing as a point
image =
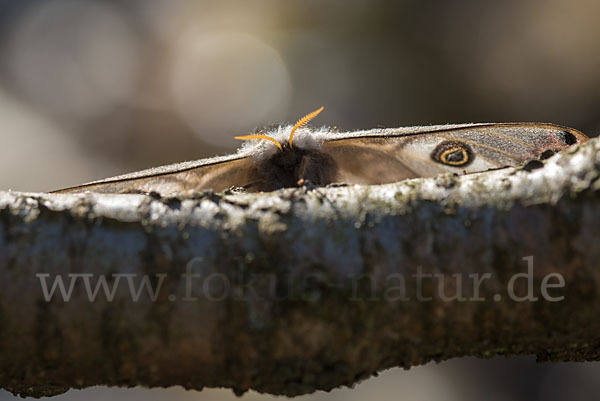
(202, 174)
(390, 155)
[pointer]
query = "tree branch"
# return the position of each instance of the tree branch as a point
(299, 289)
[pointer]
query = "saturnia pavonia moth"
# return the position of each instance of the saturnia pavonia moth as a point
(290, 156)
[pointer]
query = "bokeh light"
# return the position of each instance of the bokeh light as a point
(74, 58)
(227, 82)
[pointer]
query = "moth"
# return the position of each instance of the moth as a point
(291, 156)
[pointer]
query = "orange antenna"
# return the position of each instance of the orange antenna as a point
(302, 122)
(268, 138)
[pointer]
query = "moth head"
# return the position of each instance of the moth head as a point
(284, 160)
(305, 141)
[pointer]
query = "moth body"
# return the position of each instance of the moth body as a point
(292, 166)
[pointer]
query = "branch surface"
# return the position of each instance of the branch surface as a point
(300, 289)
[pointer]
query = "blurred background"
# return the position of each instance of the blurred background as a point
(90, 89)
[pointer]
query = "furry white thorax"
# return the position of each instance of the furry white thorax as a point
(304, 138)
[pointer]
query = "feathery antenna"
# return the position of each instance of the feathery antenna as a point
(299, 124)
(268, 138)
(303, 121)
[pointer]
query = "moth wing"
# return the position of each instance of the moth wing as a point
(368, 161)
(390, 155)
(217, 174)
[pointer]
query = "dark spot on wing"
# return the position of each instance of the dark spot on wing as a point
(568, 138)
(546, 154)
(533, 165)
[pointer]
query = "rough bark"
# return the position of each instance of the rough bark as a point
(300, 289)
